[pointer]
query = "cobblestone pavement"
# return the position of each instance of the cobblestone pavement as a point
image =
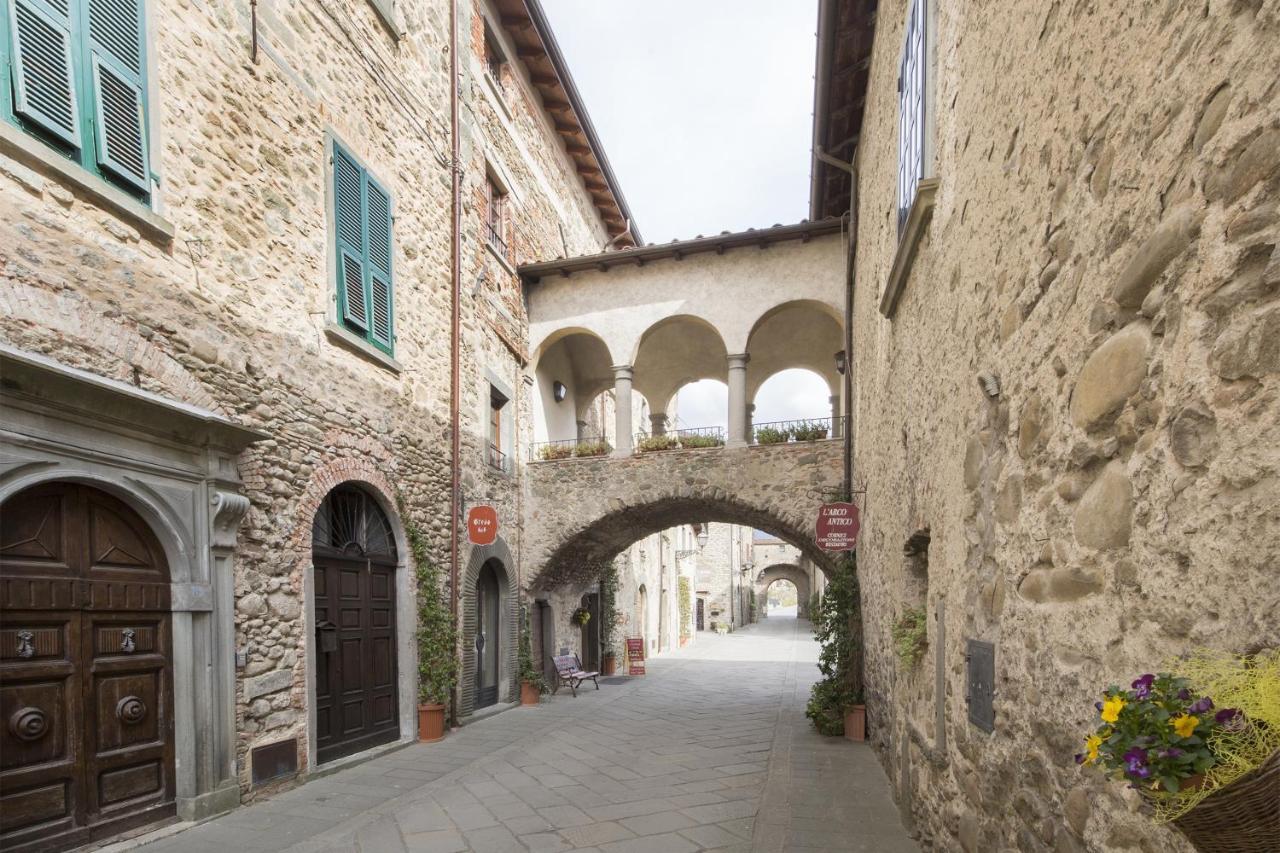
(709, 751)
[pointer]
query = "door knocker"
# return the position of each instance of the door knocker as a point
(26, 648)
(127, 645)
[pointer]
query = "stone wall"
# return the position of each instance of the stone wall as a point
(231, 314)
(1107, 253)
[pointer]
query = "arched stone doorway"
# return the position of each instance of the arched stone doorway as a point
(490, 621)
(87, 685)
(355, 656)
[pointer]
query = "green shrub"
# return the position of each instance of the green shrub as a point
(838, 626)
(650, 443)
(910, 636)
(694, 441)
(530, 673)
(809, 432)
(593, 448)
(686, 608)
(769, 435)
(554, 451)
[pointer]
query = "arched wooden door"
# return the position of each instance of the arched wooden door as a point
(353, 551)
(86, 670)
(488, 636)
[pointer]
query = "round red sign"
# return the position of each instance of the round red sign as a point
(482, 525)
(837, 527)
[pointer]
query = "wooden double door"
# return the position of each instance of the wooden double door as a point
(86, 678)
(356, 687)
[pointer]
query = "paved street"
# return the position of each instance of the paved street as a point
(709, 751)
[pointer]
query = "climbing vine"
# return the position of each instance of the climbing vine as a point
(686, 608)
(838, 626)
(910, 636)
(609, 613)
(437, 638)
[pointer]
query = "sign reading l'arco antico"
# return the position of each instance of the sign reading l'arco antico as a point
(837, 528)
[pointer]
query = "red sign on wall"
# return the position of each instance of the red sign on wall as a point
(482, 525)
(635, 655)
(837, 527)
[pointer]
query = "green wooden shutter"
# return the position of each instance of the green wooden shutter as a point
(118, 57)
(43, 74)
(380, 281)
(349, 217)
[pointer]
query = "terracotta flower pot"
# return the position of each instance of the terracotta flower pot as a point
(609, 665)
(430, 722)
(529, 694)
(855, 722)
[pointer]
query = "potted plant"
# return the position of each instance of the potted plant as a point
(769, 435)
(694, 441)
(532, 682)
(835, 702)
(549, 452)
(611, 619)
(580, 617)
(652, 443)
(1201, 746)
(593, 448)
(437, 639)
(809, 432)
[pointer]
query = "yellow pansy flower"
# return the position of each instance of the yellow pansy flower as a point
(1184, 725)
(1111, 709)
(1091, 744)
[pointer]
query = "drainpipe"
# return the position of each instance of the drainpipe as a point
(455, 458)
(847, 485)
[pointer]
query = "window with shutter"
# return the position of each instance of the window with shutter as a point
(363, 237)
(78, 79)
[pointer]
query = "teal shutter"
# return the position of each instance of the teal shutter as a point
(380, 282)
(118, 58)
(348, 214)
(43, 73)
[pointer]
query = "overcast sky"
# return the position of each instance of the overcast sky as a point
(704, 107)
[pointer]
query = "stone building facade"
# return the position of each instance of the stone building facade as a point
(1066, 378)
(202, 306)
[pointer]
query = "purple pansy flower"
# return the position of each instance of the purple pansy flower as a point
(1184, 694)
(1170, 752)
(1079, 758)
(1142, 687)
(1136, 763)
(1200, 705)
(1227, 715)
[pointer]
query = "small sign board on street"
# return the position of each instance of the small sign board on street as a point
(635, 655)
(482, 525)
(837, 527)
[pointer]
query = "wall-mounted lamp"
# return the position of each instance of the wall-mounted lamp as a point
(702, 536)
(840, 362)
(558, 391)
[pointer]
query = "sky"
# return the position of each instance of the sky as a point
(705, 111)
(704, 107)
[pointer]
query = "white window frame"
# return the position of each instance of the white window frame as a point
(915, 105)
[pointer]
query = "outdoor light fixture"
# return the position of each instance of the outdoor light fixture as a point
(702, 536)
(558, 391)
(840, 357)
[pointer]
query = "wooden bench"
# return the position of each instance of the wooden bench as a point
(569, 671)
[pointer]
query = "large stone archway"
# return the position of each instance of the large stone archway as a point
(582, 513)
(770, 575)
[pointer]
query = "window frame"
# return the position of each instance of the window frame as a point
(497, 216)
(339, 322)
(497, 431)
(914, 120)
(494, 58)
(87, 153)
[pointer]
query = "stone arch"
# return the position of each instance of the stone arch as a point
(581, 362)
(770, 575)
(802, 333)
(369, 479)
(500, 557)
(674, 352)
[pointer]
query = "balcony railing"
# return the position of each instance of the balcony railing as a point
(493, 233)
(497, 459)
(807, 429)
(680, 439)
(569, 448)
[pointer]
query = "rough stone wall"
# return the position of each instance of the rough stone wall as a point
(1107, 249)
(717, 565)
(230, 315)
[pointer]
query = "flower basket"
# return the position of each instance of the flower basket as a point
(1242, 817)
(580, 617)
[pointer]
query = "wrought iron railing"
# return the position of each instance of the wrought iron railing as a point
(680, 439)
(497, 459)
(569, 448)
(493, 233)
(805, 429)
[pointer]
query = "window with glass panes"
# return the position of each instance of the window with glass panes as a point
(911, 110)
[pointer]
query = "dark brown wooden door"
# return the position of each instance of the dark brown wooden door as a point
(356, 694)
(86, 696)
